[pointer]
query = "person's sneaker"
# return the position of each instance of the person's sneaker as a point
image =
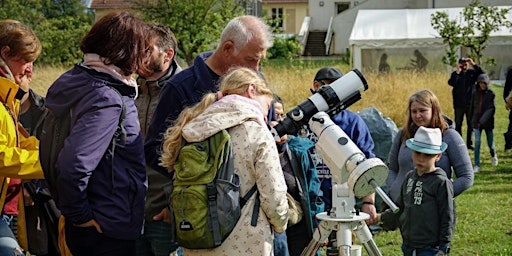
(494, 160)
(470, 147)
(508, 150)
(476, 169)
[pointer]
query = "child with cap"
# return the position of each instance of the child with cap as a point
(427, 210)
(483, 107)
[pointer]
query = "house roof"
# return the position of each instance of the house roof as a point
(111, 4)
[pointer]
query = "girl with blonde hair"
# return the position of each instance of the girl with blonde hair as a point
(240, 107)
(424, 109)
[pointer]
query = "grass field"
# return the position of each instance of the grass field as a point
(484, 217)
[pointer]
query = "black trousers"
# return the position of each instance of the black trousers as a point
(88, 242)
(508, 134)
(459, 117)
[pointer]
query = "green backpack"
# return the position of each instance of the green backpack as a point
(205, 198)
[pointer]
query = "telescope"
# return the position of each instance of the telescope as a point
(353, 175)
(331, 99)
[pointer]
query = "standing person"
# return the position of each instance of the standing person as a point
(241, 107)
(507, 96)
(157, 239)
(101, 182)
(427, 209)
(384, 67)
(243, 42)
(424, 110)
(303, 186)
(19, 48)
(463, 82)
(483, 108)
(355, 128)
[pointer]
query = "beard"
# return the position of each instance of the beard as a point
(156, 67)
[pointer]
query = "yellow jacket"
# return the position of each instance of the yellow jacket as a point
(19, 153)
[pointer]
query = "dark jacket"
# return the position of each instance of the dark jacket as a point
(146, 103)
(464, 86)
(33, 118)
(309, 194)
(184, 89)
(508, 84)
(483, 107)
(427, 210)
(95, 183)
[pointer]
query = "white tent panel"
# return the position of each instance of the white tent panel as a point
(404, 28)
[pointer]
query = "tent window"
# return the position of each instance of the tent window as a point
(342, 6)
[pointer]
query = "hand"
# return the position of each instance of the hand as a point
(91, 223)
(284, 138)
(507, 107)
(372, 211)
(27, 198)
(25, 81)
(164, 215)
(470, 61)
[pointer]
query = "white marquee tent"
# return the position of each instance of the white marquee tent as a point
(385, 30)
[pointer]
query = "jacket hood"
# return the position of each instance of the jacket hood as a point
(229, 111)
(451, 125)
(73, 85)
(483, 78)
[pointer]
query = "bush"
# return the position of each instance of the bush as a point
(284, 48)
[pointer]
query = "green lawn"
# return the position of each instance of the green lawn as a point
(484, 216)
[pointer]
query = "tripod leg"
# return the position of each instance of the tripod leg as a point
(364, 236)
(319, 237)
(344, 238)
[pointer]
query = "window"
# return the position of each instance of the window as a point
(342, 6)
(277, 18)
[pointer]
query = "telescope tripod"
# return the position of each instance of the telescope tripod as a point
(343, 228)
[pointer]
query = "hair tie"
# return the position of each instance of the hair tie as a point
(219, 95)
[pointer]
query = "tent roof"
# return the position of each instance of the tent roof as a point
(403, 27)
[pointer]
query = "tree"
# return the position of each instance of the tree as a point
(197, 24)
(59, 25)
(472, 30)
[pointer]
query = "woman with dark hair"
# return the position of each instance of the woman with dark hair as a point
(101, 181)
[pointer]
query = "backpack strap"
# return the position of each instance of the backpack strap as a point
(214, 215)
(119, 134)
(256, 208)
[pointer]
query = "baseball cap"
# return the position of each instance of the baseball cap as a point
(328, 73)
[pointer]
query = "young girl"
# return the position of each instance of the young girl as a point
(241, 107)
(483, 107)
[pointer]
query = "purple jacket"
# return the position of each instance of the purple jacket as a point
(92, 183)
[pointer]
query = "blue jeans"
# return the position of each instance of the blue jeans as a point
(478, 141)
(157, 240)
(8, 244)
(425, 251)
(280, 244)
